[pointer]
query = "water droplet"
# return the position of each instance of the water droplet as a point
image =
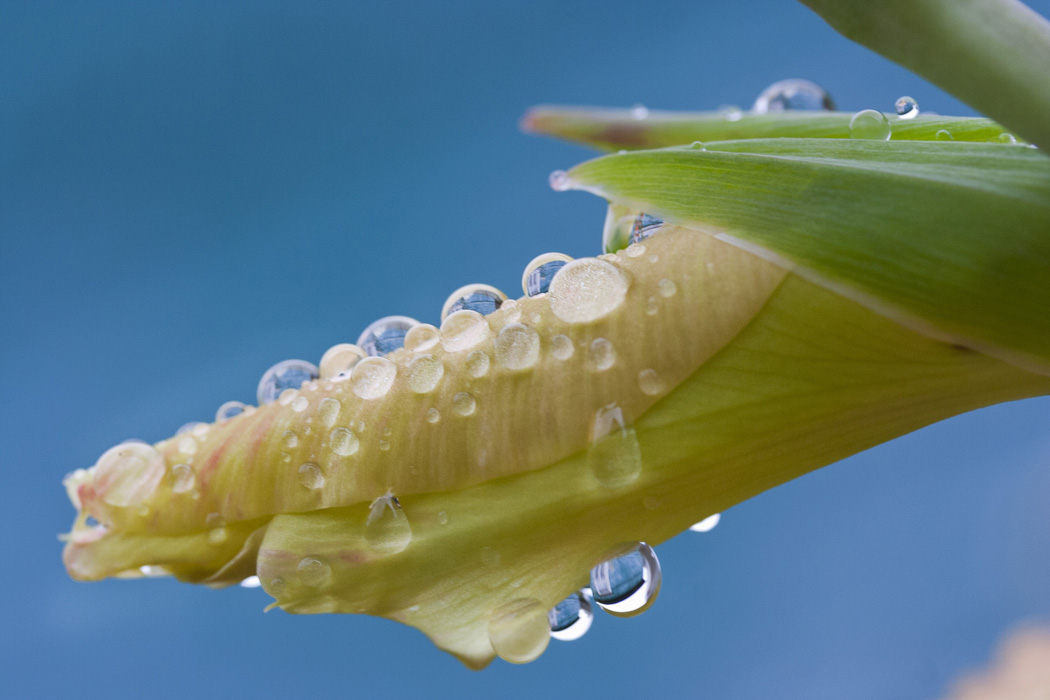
(628, 584)
(793, 94)
(601, 354)
(339, 359)
(314, 571)
(562, 347)
(482, 298)
(187, 445)
(1007, 138)
(540, 271)
(464, 404)
(385, 335)
(387, 530)
(586, 290)
(425, 373)
(650, 382)
(732, 113)
(328, 411)
(442, 518)
(289, 374)
(559, 180)
(519, 630)
(652, 306)
(614, 455)
(511, 311)
(384, 445)
(944, 135)
(310, 476)
(478, 364)
(214, 520)
(217, 535)
(619, 222)
(188, 427)
(707, 524)
(251, 582)
(182, 478)
(698, 146)
(300, 404)
(343, 442)
(870, 124)
(433, 415)
(287, 396)
(276, 586)
(644, 226)
(667, 288)
(639, 111)
(635, 250)
(372, 377)
(517, 347)
(906, 107)
(464, 329)
(571, 618)
(228, 410)
(290, 439)
(421, 337)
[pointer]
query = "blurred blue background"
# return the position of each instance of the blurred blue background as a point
(190, 192)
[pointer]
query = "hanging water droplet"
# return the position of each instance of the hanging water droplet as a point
(343, 442)
(385, 335)
(519, 630)
(614, 455)
(328, 411)
(601, 355)
(639, 111)
(571, 618)
(425, 373)
(906, 107)
(482, 298)
(251, 582)
(339, 360)
(559, 180)
(433, 415)
(870, 124)
(300, 403)
(290, 439)
(289, 374)
(128, 474)
(517, 347)
(464, 404)
(228, 410)
(644, 226)
(698, 146)
(562, 347)
(310, 476)
(667, 288)
(387, 530)
(650, 382)
(793, 94)
(540, 271)
(628, 584)
(586, 290)
(372, 377)
(944, 135)
(464, 329)
(707, 524)
(478, 364)
(314, 571)
(421, 337)
(182, 478)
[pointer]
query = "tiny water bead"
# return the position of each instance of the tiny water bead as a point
(343, 442)
(517, 347)
(433, 415)
(464, 404)
(300, 403)
(372, 377)
(698, 146)
(519, 631)
(310, 476)
(944, 135)
(586, 290)
(182, 478)
(385, 335)
(562, 347)
(644, 226)
(463, 330)
(478, 364)
(870, 124)
(290, 439)
(540, 271)
(601, 354)
(1006, 138)
(906, 107)
(667, 288)
(707, 524)
(339, 360)
(650, 382)
(289, 374)
(128, 474)
(387, 529)
(422, 337)
(793, 94)
(482, 298)
(328, 411)
(614, 455)
(425, 373)
(218, 535)
(228, 410)
(628, 584)
(314, 571)
(571, 618)
(559, 181)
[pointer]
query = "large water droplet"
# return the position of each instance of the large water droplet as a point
(422, 337)
(517, 347)
(793, 94)
(614, 455)
(601, 355)
(464, 329)
(425, 373)
(343, 442)
(182, 478)
(128, 474)
(906, 107)
(481, 298)
(387, 530)
(372, 377)
(310, 476)
(870, 124)
(385, 335)
(464, 404)
(707, 524)
(478, 364)
(628, 584)
(571, 618)
(562, 347)
(289, 374)
(586, 290)
(519, 630)
(650, 382)
(314, 571)
(339, 360)
(328, 411)
(540, 271)
(228, 410)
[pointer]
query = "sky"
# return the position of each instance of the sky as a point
(191, 192)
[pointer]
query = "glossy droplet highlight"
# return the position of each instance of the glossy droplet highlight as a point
(601, 355)
(793, 94)
(464, 404)
(372, 377)
(628, 584)
(425, 373)
(182, 478)
(387, 529)
(228, 410)
(478, 364)
(540, 271)
(338, 360)
(571, 618)
(422, 337)
(128, 474)
(289, 374)
(463, 330)
(519, 630)
(310, 476)
(614, 455)
(650, 382)
(385, 335)
(559, 180)
(482, 298)
(586, 290)
(906, 107)
(698, 146)
(313, 571)
(870, 124)
(562, 347)
(707, 524)
(328, 411)
(517, 347)
(343, 442)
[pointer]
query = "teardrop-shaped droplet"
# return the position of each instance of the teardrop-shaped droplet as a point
(387, 529)
(628, 584)
(707, 524)
(464, 329)
(128, 474)
(385, 335)
(339, 360)
(793, 94)
(519, 630)
(482, 298)
(870, 124)
(425, 373)
(289, 374)
(571, 618)
(372, 377)
(540, 271)
(517, 347)
(228, 410)
(422, 337)
(906, 107)
(614, 455)
(586, 290)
